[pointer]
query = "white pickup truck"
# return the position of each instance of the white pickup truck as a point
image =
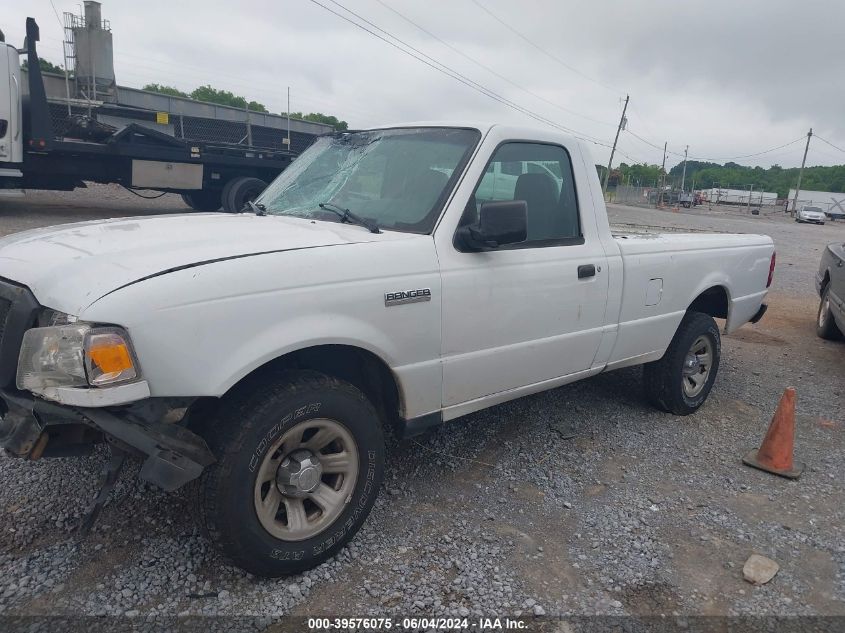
(384, 278)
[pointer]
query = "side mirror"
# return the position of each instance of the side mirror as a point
(499, 223)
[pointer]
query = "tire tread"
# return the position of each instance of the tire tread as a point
(226, 432)
(660, 377)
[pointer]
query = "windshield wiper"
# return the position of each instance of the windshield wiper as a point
(257, 208)
(347, 216)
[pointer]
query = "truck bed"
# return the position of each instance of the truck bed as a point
(661, 270)
(624, 230)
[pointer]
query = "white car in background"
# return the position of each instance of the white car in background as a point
(811, 214)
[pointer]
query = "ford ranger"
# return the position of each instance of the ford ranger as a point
(401, 276)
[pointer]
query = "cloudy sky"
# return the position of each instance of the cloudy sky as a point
(726, 78)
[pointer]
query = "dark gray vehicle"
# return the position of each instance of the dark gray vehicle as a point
(830, 284)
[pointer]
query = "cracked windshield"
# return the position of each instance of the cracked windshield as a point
(397, 178)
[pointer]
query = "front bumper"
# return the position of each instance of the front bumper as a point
(94, 397)
(31, 428)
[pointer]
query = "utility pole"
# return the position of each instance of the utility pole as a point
(662, 176)
(287, 139)
(684, 174)
(801, 173)
(615, 140)
(750, 191)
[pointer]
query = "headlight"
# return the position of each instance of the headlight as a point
(75, 355)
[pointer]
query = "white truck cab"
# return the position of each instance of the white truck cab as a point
(11, 141)
(382, 279)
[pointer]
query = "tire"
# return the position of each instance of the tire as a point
(224, 195)
(242, 190)
(670, 383)
(248, 435)
(205, 200)
(826, 327)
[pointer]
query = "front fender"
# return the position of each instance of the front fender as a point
(198, 331)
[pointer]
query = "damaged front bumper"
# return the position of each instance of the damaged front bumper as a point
(32, 428)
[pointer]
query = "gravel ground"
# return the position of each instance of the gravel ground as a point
(582, 500)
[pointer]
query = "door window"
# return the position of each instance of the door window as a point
(541, 175)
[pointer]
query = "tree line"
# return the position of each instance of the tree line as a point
(705, 175)
(214, 95)
(227, 98)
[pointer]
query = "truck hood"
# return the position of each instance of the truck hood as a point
(71, 266)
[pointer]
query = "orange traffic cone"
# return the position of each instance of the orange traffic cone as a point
(775, 453)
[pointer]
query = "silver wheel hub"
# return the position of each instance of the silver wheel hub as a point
(697, 365)
(299, 473)
(306, 479)
(691, 365)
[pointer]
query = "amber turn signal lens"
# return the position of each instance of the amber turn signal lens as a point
(109, 358)
(113, 358)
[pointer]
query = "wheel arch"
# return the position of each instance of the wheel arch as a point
(360, 367)
(825, 281)
(714, 301)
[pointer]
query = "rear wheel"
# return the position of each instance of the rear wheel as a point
(205, 200)
(242, 190)
(826, 327)
(300, 461)
(680, 382)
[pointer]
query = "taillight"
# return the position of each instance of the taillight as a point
(771, 270)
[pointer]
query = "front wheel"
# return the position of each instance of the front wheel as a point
(826, 327)
(300, 461)
(680, 382)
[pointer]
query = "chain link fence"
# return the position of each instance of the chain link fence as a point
(633, 196)
(647, 197)
(199, 129)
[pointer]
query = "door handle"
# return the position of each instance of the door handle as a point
(586, 270)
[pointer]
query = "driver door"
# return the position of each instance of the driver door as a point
(523, 314)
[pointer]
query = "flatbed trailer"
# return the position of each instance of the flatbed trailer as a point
(35, 155)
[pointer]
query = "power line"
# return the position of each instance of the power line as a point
(449, 72)
(436, 65)
(58, 19)
(452, 72)
(490, 70)
(829, 143)
(636, 112)
(543, 50)
(637, 161)
(816, 151)
(772, 149)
